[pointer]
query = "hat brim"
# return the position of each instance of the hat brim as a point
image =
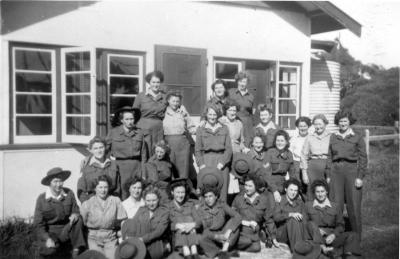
(210, 171)
(314, 254)
(240, 157)
(127, 109)
(63, 175)
(141, 248)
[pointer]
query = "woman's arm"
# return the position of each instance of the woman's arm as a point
(159, 229)
(198, 148)
(227, 157)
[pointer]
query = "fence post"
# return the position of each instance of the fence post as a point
(367, 145)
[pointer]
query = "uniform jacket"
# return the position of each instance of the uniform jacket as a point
(214, 219)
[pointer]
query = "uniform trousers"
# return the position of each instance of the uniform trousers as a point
(315, 171)
(291, 232)
(180, 153)
(155, 129)
(128, 168)
(212, 159)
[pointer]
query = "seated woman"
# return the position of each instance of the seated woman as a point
(182, 215)
(134, 187)
(159, 170)
(103, 214)
(97, 165)
(256, 211)
(327, 225)
(280, 166)
(57, 216)
(149, 224)
(218, 234)
(266, 128)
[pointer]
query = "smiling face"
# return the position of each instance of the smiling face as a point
(174, 102)
(242, 84)
(151, 201)
(160, 153)
(179, 194)
(291, 192)
(258, 144)
(219, 90)
(319, 126)
(211, 116)
(155, 84)
(102, 190)
(210, 199)
(128, 120)
(265, 117)
(344, 124)
(98, 150)
(135, 190)
(249, 188)
(231, 113)
(320, 194)
(280, 142)
(303, 128)
(56, 185)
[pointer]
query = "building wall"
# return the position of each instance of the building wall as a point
(224, 30)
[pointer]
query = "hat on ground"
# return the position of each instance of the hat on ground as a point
(131, 248)
(242, 164)
(210, 176)
(56, 172)
(91, 254)
(306, 250)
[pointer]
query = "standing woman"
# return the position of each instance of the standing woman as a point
(126, 144)
(347, 164)
(177, 125)
(245, 100)
(266, 128)
(103, 214)
(219, 97)
(152, 105)
(213, 146)
(315, 153)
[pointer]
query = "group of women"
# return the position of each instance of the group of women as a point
(144, 161)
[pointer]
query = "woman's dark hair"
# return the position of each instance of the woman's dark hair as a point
(151, 189)
(132, 181)
(102, 178)
(207, 188)
(319, 182)
(258, 183)
(303, 119)
(285, 135)
(174, 94)
(119, 115)
(320, 117)
(256, 136)
(293, 181)
(215, 108)
(344, 114)
(264, 107)
(157, 74)
(241, 75)
(230, 103)
(164, 145)
(96, 139)
(220, 82)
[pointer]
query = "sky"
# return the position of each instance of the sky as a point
(380, 36)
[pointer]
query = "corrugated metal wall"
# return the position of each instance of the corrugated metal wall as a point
(325, 89)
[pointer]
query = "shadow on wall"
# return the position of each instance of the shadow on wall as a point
(19, 14)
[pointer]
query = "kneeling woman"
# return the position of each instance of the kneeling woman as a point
(149, 224)
(102, 214)
(217, 232)
(182, 215)
(256, 210)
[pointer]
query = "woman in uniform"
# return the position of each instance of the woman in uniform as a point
(266, 128)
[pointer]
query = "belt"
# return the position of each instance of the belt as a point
(214, 151)
(319, 157)
(344, 160)
(128, 158)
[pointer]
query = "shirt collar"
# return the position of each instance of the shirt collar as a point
(323, 135)
(326, 203)
(348, 132)
(246, 92)
(50, 195)
(270, 125)
(94, 160)
(254, 154)
(217, 126)
(251, 199)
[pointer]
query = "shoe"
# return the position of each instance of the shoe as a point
(75, 253)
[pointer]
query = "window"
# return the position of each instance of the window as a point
(226, 70)
(34, 98)
(287, 104)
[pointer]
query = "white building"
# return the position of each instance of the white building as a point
(66, 66)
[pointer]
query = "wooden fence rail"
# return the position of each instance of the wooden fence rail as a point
(368, 138)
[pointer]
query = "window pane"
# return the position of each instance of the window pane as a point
(78, 126)
(288, 74)
(287, 90)
(287, 107)
(77, 61)
(118, 102)
(226, 71)
(78, 104)
(182, 69)
(27, 126)
(124, 65)
(39, 104)
(28, 82)
(191, 98)
(33, 60)
(121, 85)
(287, 122)
(78, 83)
(231, 84)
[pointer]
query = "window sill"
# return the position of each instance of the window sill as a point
(42, 146)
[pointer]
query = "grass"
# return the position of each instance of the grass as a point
(380, 209)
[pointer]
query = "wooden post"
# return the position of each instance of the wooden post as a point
(367, 145)
(396, 131)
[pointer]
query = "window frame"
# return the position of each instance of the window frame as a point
(34, 138)
(222, 61)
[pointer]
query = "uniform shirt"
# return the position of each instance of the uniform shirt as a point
(351, 148)
(131, 207)
(236, 133)
(214, 219)
(185, 213)
(213, 141)
(315, 146)
(177, 122)
(52, 210)
(124, 144)
(159, 170)
(282, 209)
(260, 159)
(151, 107)
(267, 133)
(90, 173)
(260, 210)
(99, 215)
(296, 146)
(328, 217)
(245, 101)
(148, 228)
